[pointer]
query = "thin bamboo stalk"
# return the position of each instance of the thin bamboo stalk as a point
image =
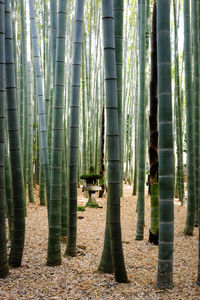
(40, 99)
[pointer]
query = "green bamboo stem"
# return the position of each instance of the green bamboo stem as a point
(74, 129)
(40, 99)
(124, 95)
(153, 124)
(166, 153)
(141, 124)
(3, 246)
(41, 183)
(112, 136)
(38, 157)
(54, 242)
(21, 98)
(89, 87)
(106, 265)
(198, 274)
(195, 39)
(45, 37)
(9, 193)
(30, 137)
(177, 101)
(48, 80)
(118, 27)
(64, 213)
(14, 17)
(17, 243)
(136, 135)
(53, 22)
(102, 165)
(25, 93)
(35, 132)
(50, 124)
(84, 125)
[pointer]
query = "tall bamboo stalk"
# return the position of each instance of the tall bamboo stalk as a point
(25, 90)
(112, 136)
(74, 129)
(9, 192)
(48, 84)
(17, 243)
(41, 182)
(177, 101)
(195, 44)
(21, 97)
(141, 124)
(136, 133)
(30, 136)
(84, 125)
(165, 145)
(14, 8)
(153, 124)
(198, 207)
(3, 247)
(53, 22)
(54, 243)
(189, 226)
(118, 27)
(64, 213)
(40, 99)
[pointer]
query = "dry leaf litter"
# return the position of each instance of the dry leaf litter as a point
(77, 277)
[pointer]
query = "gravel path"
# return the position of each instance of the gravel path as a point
(77, 278)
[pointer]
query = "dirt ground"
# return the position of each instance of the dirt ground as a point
(77, 278)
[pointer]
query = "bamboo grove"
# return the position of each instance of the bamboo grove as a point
(102, 84)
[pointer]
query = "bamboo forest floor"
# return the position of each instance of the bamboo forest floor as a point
(77, 278)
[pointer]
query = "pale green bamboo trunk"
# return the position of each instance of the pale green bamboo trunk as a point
(85, 152)
(118, 27)
(30, 136)
(40, 99)
(136, 134)
(25, 90)
(41, 182)
(53, 22)
(48, 81)
(45, 37)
